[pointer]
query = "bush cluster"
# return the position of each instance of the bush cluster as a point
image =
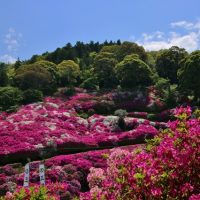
(167, 168)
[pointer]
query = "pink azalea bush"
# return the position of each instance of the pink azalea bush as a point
(65, 169)
(168, 168)
(53, 126)
(95, 177)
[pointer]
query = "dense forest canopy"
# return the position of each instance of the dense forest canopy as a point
(107, 65)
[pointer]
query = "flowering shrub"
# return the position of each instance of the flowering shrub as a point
(95, 177)
(195, 197)
(71, 169)
(148, 100)
(53, 126)
(168, 168)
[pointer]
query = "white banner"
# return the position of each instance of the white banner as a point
(42, 174)
(26, 175)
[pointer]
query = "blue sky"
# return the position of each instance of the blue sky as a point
(30, 27)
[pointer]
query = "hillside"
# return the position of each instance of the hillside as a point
(89, 119)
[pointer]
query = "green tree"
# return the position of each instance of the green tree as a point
(35, 76)
(168, 62)
(104, 65)
(68, 72)
(133, 72)
(111, 49)
(17, 64)
(90, 83)
(32, 95)
(51, 68)
(189, 74)
(128, 48)
(10, 97)
(3, 75)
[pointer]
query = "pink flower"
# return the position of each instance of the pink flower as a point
(156, 192)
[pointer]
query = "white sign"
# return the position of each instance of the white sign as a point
(42, 174)
(26, 175)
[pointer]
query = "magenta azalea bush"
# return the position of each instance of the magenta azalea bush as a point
(168, 168)
(70, 170)
(44, 129)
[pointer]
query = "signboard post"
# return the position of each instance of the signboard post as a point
(26, 175)
(42, 174)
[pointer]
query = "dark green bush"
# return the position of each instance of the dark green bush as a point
(31, 95)
(68, 72)
(69, 91)
(90, 83)
(10, 98)
(133, 72)
(35, 76)
(104, 65)
(3, 75)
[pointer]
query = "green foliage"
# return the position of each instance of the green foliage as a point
(100, 65)
(9, 98)
(163, 85)
(68, 72)
(41, 75)
(172, 96)
(3, 75)
(32, 193)
(34, 76)
(51, 67)
(83, 115)
(40, 195)
(90, 83)
(88, 74)
(189, 74)
(133, 72)
(17, 64)
(168, 62)
(11, 74)
(92, 56)
(32, 95)
(60, 54)
(69, 91)
(152, 117)
(104, 64)
(111, 49)
(151, 61)
(128, 48)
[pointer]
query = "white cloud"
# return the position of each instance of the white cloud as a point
(12, 40)
(186, 25)
(190, 40)
(156, 35)
(182, 24)
(7, 59)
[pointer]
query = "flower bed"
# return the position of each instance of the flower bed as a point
(168, 168)
(65, 169)
(51, 127)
